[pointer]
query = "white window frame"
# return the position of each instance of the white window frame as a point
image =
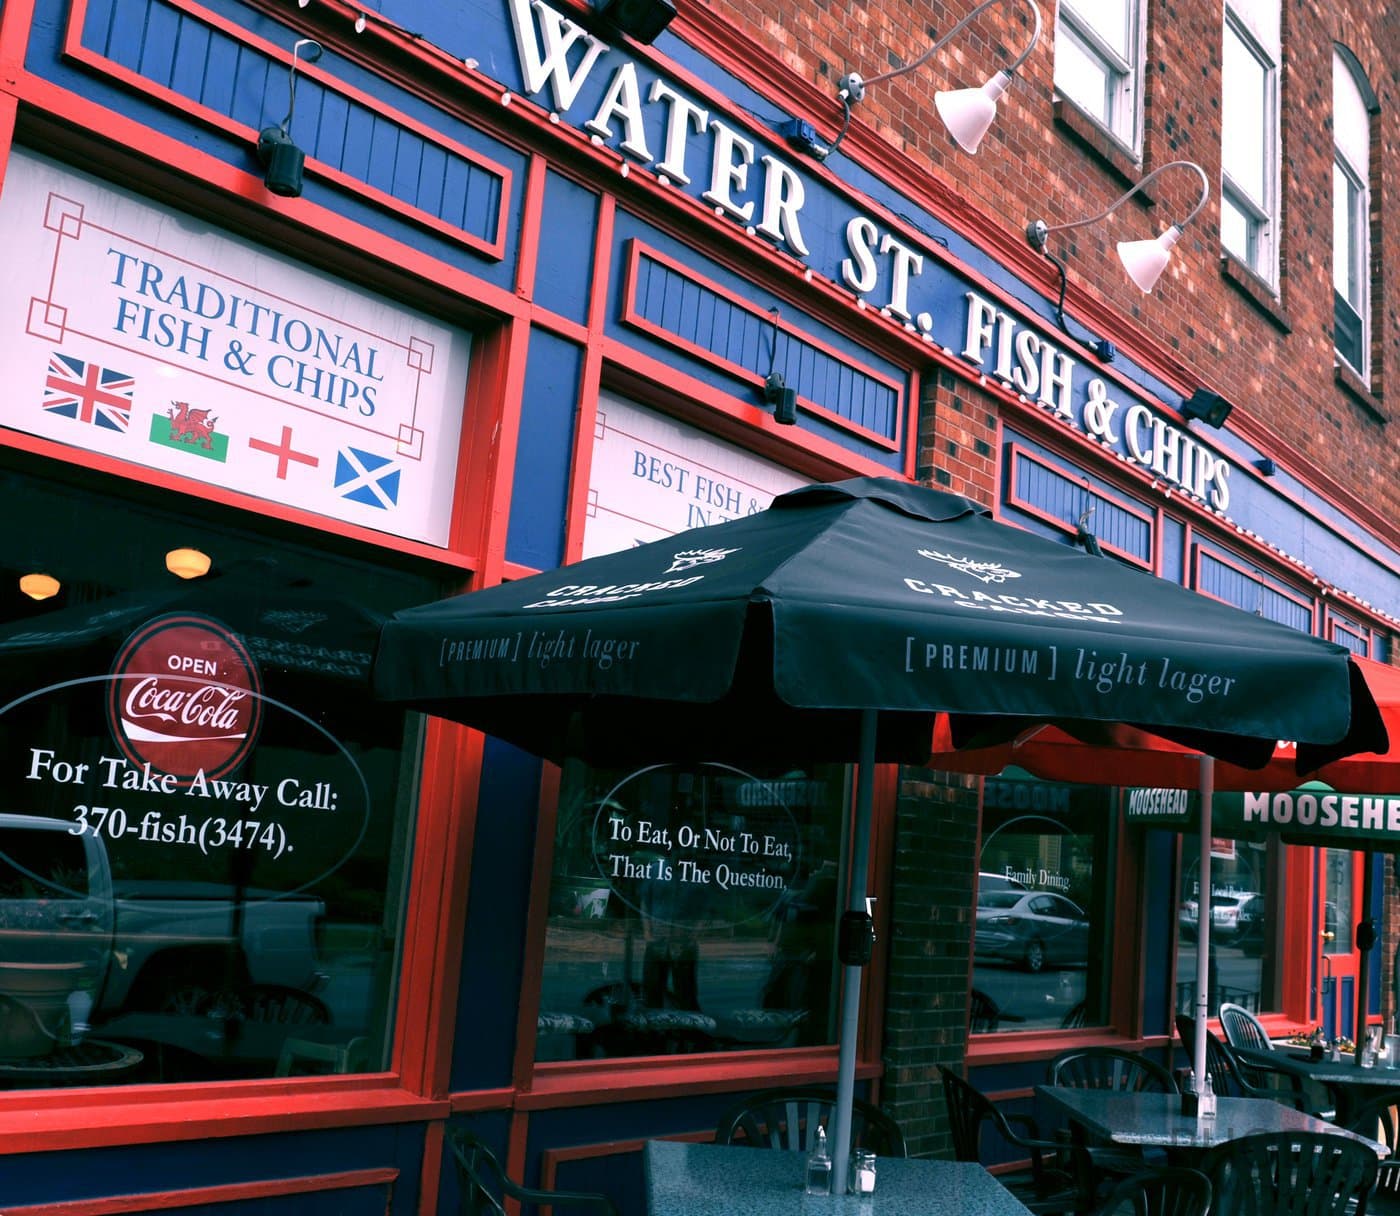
(1362, 256)
(1122, 111)
(1261, 215)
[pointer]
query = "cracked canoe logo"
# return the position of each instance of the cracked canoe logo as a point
(185, 697)
(987, 572)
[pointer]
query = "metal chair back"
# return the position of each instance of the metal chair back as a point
(1293, 1174)
(1165, 1191)
(483, 1183)
(789, 1118)
(1379, 1119)
(1110, 1068)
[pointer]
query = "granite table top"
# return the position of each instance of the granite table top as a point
(686, 1179)
(1351, 1085)
(1345, 1071)
(1156, 1119)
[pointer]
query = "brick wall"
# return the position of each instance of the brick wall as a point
(1272, 358)
(930, 951)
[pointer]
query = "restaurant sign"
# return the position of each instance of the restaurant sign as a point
(1314, 814)
(715, 844)
(662, 125)
(134, 332)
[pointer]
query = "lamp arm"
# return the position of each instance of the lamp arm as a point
(1044, 230)
(938, 45)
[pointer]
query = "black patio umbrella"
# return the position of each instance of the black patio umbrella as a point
(833, 626)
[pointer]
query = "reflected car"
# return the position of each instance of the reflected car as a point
(1249, 927)
(989, 881)
(1036, 929)
(1229, 914)
(1188, 918)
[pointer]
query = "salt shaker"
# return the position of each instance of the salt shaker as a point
(819, 1167)
(1206, 1108)
(862, 1180)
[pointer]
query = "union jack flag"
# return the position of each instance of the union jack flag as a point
(88, 393)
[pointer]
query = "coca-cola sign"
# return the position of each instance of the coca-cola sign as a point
(185, 697)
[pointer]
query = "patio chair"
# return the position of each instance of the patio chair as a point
(984, 1015)
(1112, 1068)
(1243, 1029)
(1058, 1178)
(1379, 1119)
(1168, 1191)
(789, 1118)
(483, 1184)
(1292, 1174)
(1229, 1077)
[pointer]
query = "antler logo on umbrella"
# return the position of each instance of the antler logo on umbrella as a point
(689, 558)
(988, 572)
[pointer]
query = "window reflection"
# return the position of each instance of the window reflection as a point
(1043, 898)
(1245, 886)
(201, 867)
(692, 909)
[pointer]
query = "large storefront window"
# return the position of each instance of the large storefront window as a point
(1245, 881)
(1040, 956)
(692, 909)
(205, 836)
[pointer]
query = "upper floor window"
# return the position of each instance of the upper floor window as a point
(1351, 208)
(1098, 63)
(1249, 206)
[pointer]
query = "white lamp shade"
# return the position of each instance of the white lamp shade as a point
(187, 563)
(968, 113)
(1145, 260)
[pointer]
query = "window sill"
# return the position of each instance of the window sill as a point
(1254, 289)
(1355, 388)
(53, 1119)
(1105, 147)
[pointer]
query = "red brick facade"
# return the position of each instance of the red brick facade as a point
(1208, 321)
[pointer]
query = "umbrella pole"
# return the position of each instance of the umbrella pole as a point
(850, 988)
(1203, 923)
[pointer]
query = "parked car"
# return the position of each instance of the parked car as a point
(1034, 928)
(1234, 918)
(988, 880)
(1226, 912)
(1188, 918)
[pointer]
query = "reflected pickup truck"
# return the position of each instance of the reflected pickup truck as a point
(167, 945)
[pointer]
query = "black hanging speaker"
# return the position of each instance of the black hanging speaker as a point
(640, 20)
(782, 397)
(283, 162)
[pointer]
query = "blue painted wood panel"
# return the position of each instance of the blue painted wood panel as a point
(214, 69)
(78, 1174)
(1063, 495)
(672, 300)
(494, 935)
(174, 50)
(564, 275)
(543, 458)
(1253, 594)
(700, 305)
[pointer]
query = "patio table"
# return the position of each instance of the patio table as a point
(1351, 1085)
(1148, 1119)
(685, 1179)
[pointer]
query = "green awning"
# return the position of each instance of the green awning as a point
(1314, 814)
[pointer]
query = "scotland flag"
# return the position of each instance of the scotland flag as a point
(366, 478)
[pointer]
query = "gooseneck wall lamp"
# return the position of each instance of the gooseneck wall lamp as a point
(1143, 260)
(282, 160)
(967, 113)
